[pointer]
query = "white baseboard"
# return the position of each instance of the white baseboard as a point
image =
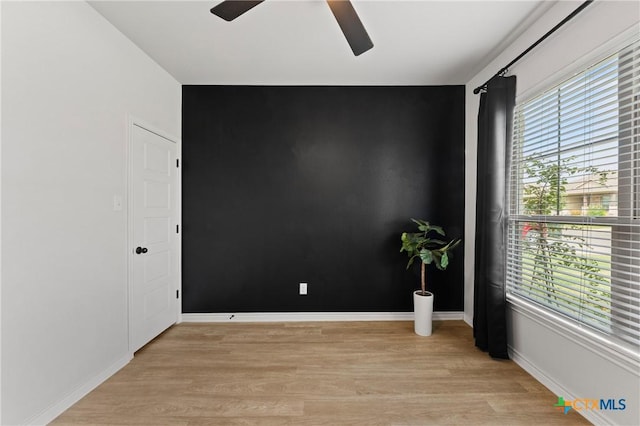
(592, 415)
(65, 403)
(313, 316)
(468, 319)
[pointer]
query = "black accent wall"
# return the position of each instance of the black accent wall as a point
(283, 185)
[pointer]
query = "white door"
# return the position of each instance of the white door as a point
(154, 240)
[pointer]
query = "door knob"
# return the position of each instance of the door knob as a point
(141, 250)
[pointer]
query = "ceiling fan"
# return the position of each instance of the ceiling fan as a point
(343, 10)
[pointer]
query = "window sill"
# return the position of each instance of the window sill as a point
(613, 352)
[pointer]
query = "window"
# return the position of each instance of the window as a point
(574, 220)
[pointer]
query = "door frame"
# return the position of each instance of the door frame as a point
(131, 122)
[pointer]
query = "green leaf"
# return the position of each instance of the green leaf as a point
(426, 256)
(452, 244)
(444, 260)
(404, 240)
(438, 229)
(419, 222)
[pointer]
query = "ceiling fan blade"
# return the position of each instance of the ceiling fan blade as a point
(231, 9)
(351, 26)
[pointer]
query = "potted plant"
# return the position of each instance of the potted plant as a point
(420, 245)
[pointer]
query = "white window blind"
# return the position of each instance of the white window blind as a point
(574, 220)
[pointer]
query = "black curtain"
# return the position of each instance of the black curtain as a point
(495, 125)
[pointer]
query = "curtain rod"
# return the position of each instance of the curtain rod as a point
(504, 69)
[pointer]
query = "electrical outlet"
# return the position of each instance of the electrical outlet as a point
(303, 289)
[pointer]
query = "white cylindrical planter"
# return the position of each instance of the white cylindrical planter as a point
(423, 311)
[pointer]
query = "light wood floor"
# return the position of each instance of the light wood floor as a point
(330, 373)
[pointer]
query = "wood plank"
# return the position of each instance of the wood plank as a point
(321, 373)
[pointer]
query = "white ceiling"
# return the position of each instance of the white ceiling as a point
(283, 42)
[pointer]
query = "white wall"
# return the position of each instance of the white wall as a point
(0, 224)
(551, 352)
(69, 81)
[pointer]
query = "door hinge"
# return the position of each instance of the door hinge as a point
(177, 229)
(177, 294)
(177, 162)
